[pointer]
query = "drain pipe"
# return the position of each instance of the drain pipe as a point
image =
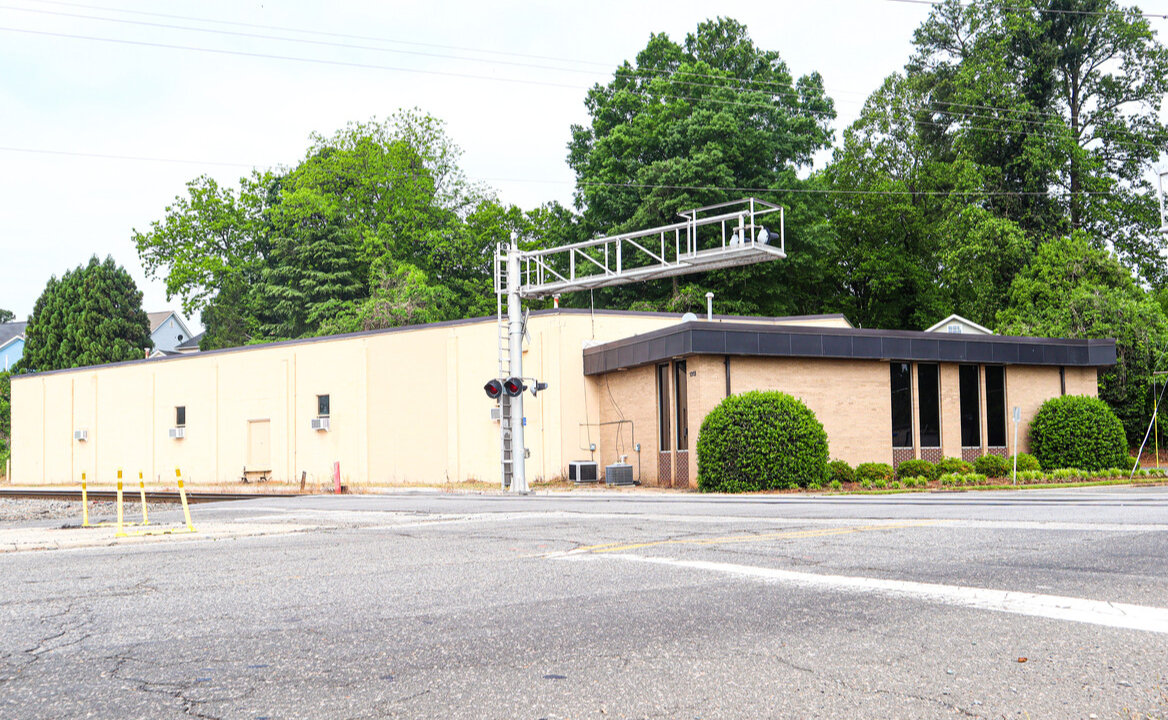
(710, 306)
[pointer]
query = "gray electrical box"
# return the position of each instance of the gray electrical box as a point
(583, 471)
(619, 474)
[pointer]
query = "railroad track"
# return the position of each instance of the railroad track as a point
(128, 495)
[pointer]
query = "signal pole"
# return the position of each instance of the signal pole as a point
(515, 333)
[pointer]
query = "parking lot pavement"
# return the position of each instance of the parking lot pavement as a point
(1007, 605)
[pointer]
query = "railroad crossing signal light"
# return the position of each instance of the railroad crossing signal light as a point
(514, 386)
(537, 387)
(494, 389)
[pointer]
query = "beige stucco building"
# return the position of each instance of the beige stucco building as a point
(407, 405)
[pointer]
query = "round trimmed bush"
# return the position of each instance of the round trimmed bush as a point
(991, 466)
(916, 468)
(1026, 463)
(841, 472)
(953, 466)
(761, 441)
(874, 471)
(1074, 431)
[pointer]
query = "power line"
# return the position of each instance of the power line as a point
(313, 32)
(589, 183)
(619, 72)
(105, 156)
(1101, 13)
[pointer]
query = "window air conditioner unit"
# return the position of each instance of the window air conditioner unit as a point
(320, 423)
(81, 435)
(496, 414)
(177, 433)
(583, 471)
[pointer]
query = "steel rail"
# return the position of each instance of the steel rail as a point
(151, 495)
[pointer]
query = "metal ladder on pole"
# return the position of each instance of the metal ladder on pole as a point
(506, 452)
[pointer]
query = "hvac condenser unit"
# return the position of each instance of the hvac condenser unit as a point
(177, 433)
(320, 424)
(618, 474)
(81, 435)
(583, 471)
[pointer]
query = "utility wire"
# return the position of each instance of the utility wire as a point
(589, 183)
(619, 73)
(1101, 13)
(717, 101)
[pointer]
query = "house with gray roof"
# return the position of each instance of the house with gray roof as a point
(11, 343)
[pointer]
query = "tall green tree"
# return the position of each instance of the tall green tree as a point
(6, 316)
(1074, 290)
(1058, 103)
(92, 315)
(5, 419)
(299, 252)
(885, 217)
(711, 119)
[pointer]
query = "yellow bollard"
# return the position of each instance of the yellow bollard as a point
(121, 532)
(142, 490)
(84, 503)
(182, 494)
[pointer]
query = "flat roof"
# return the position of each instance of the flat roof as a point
(713, 338)
(180, 357)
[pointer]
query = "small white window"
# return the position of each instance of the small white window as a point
(955, 328)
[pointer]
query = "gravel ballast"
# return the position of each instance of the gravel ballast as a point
(15, 510)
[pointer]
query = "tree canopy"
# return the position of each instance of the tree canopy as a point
(1005, 175)
(92, 315)
(312, 248)
(6, 316)
(689, 124)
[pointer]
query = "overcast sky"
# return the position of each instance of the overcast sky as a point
(223, 113)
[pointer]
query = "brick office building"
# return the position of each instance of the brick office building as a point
(406, 405)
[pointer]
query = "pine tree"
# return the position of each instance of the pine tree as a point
(92, 315)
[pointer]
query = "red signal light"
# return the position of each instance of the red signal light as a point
(494, 389)
(513, 386)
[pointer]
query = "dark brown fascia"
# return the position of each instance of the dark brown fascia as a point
(713, 338)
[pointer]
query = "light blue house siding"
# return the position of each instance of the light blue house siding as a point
(11, 352)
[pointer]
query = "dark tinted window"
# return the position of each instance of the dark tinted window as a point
(322, 405)
(929, 404)
(995, 380)
(680, 386)
(663, 408)
(901, 405)
(969, 388)
(180, 416)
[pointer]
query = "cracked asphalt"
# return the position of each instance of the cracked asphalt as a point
(604, 605)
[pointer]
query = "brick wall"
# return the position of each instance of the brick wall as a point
(850, 397)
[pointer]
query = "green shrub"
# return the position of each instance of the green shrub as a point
(1026, 463)
(761, 441)
(866, 484)
(839, 471)
(836, 484)
(880, 483)
(953, 466)
(873, 471)
(1077, 431)
(991, 466)
(916, 468)
(1130, 464)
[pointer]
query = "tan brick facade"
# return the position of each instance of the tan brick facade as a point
(850, 397)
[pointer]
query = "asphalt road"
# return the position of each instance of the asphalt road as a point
(606, 605)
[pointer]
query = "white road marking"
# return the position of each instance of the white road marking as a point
(1056, 607)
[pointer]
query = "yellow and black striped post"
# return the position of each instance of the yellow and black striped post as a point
(84, 503)
(142, 491)
(121, 531)
(182, 494)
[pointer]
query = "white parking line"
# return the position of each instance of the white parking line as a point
(1094, 612)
